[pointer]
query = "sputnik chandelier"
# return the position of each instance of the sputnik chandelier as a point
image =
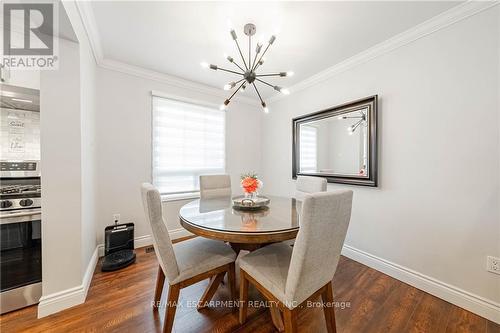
(248, 72)
(361, 120)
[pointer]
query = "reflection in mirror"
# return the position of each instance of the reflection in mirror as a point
(335, 145)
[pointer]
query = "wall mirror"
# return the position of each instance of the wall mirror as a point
(339, 144)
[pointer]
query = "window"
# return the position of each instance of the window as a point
(188, 141)
(308, 148)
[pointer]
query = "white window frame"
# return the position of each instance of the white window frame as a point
(180, 195)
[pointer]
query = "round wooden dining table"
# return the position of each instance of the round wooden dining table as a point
(242, 229)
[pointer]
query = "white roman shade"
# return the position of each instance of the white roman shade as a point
(188, 141)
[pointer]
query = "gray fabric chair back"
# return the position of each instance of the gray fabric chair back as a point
(215, 186)
(162, 243)
(307, 184)
(323, 227)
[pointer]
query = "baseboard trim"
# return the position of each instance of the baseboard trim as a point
(479, 305)
(64, 299)
(68, 298)
(146, 240)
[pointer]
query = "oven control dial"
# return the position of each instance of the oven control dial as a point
(26, 202)
(5, 204)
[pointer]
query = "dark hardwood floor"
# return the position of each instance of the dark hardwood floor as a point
(368, 301)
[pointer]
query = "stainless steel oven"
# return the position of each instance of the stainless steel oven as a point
(20, 198)
(20, 234)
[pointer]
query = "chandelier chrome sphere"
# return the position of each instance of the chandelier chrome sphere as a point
(248, 72)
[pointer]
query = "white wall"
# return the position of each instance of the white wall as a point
(60, 129)
(20, 77)
(436, 208)
(124, 146)
(68, 173)
(89, 151)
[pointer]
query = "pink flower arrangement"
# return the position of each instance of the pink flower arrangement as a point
(250, 183)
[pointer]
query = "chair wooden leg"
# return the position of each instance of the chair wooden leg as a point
(329, 309)
(160, 280)
(290, 317)
(171, 307)
(276, 317)
(231, 279)
(210, 291)
(243, 297)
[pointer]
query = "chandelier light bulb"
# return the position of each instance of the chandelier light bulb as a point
(285, 91)
(222, 107)
(204, 64)
(258, 48)
(229, 86)
(264, 107)
(290, 73)
(228, 57)
(233, 34)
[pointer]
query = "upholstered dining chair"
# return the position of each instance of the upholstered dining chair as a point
(289, 277)
(308, 184)
(214, 186)
(186, 262)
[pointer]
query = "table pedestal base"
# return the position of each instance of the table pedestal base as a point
(237, 247)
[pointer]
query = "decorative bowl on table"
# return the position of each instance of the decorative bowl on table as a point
(245, 203)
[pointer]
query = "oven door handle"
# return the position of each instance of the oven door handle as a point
(14, 217)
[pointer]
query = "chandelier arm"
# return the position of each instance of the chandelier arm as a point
(262, 55)
(254, 59)
(249, 51)
(234, 93)
(356, 125)
(241, 54)
(257, 91)
(241, 68)
(229, 71)
(239, 81)
(270, 85)
(271, 74)
(354, 117)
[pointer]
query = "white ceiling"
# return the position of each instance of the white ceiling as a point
(174, 37)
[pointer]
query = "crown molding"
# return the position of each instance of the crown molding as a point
(90, 25)
(428, 27)
(170, 80)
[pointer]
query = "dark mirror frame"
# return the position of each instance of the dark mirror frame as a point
(371, 180)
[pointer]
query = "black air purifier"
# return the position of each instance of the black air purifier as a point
(119, 247)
